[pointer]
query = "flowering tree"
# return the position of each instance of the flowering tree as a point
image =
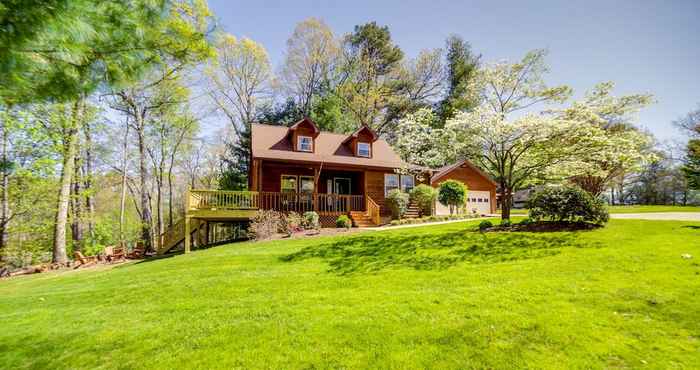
(514, 151)
(622, 148)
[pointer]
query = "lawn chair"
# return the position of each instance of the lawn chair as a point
(114, 253)
(83, 260)
(137, 252)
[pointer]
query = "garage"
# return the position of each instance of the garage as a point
(481, 192)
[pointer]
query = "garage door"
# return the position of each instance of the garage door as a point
(479, 200)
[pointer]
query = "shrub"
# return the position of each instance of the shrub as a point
(291, 223)
(525, 221)
(424, 197)
(397, 201)
(506, 223)
(453, 194)
(311, 221)
(567, 203)
(343, 221)
(264, 224)
(486, 224)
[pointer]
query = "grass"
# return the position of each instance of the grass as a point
(440, 296)
(633, 209)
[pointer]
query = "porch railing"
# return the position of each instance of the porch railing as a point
(279, 201)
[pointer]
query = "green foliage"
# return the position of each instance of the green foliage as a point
(428, 219)
(486, 224)
(506, 222)
(397, 201)
(569, 204)
(311, 221)
(691, 169)
(424, 196)
(373, 43)
(327, 111)
(462, 65)
(343, 221)
(452, 193)
(64, 49)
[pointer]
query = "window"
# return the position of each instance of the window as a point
(407, 183)
(391, 182)
(289, 184)
(306, 184)
(364, 150)
(305, 143)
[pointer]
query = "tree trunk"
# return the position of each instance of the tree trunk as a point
(89, 195)
(5, 207)
(122, 201)
(170, 198)
(146, 220)
(76, 202)
(70, 145)
(506, 202)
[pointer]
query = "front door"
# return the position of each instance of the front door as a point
(341, 186)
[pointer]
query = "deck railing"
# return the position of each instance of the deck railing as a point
(278, 201)
(373, 211)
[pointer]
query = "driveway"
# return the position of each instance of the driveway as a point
(679, 216)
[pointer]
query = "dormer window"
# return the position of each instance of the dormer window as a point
(364, 150)
(305, 143)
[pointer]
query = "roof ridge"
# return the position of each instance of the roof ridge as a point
(321, 131)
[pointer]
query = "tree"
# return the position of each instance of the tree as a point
(311, 57)
(691, 168)
(452, 193)
(515, 151)
(368, 82)
(625, 148)
(62, 49)
(461, 67)
(419, 141)
(240, 80)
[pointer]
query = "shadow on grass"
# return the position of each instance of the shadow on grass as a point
(378, 251)
(694, 227)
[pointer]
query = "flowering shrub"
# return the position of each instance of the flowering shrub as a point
(311, 221)
(291, 223)
(264, 224)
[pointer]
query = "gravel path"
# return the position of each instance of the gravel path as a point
(680, 216)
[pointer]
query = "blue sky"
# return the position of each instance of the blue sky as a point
(643, 46)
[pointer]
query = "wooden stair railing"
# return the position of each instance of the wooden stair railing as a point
(176, 234)
(373, 211)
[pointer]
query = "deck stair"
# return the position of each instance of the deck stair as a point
(175, 235)
(413, 211)
(361, 219)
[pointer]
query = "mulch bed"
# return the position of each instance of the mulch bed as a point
(547, 226)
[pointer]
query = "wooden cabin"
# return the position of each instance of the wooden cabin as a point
(301, 168)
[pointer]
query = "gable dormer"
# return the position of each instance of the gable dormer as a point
(302, 135)
(361, 142)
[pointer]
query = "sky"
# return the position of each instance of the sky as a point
(643, 46)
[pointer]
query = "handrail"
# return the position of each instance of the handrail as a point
(373, 211)
(278, 201)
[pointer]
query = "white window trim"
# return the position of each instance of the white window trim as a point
(299, 141)
(369, 149)
(296, 182)
(308, 178)
(401, 182)
(386, 175)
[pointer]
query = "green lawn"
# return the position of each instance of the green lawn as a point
(633, 209)
(437, 296)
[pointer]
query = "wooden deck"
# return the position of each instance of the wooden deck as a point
(219, 205)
